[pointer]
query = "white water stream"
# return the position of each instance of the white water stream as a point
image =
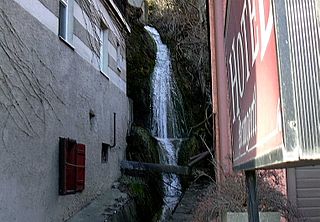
(165, 125)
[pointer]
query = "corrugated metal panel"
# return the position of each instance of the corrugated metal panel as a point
(308, 174)
(310, 212)
(314, 219)
(304, 42)
(308, 202)
(308, 192)
(309, 183)
(311, 167)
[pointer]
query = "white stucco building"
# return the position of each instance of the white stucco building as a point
(61, 76)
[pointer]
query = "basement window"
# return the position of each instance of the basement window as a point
(71, 166)
(104, 152)
(66, 20)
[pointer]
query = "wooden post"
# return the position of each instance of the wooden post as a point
(251, 183)
(162, 168)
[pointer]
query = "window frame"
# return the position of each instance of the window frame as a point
(119, 57)
(104, 50)
(66, 20)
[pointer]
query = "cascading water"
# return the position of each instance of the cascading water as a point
(165, 124)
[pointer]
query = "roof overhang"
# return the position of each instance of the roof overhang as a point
(118, 14)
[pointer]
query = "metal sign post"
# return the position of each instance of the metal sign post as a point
(252, 207)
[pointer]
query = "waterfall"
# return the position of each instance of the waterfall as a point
(165, 122)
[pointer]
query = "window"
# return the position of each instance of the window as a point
(104, 49)
(119, 57)
(105, 152)
(66, 20)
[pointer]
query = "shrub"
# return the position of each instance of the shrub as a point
(230, 195)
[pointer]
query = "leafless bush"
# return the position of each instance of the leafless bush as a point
(230, 195)
(271, 195)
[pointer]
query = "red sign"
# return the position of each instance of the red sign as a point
(251, 59)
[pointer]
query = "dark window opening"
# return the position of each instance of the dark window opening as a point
(104, 152)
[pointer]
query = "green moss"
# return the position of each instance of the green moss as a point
(138, 190)
(141, 55)
(145, 187)
(142, 146)
(144, 192)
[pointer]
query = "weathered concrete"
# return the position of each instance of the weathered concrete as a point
(113, 205)
(29, 160)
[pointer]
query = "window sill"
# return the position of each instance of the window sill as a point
(67, 43)
(104, 74)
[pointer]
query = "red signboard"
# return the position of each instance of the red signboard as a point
(251, 60)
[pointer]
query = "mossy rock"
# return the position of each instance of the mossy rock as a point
(142, 146)
(147, 187)
(141, 56)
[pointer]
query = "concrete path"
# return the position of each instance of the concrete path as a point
(113, 206)
(188, 204)
(116, 206)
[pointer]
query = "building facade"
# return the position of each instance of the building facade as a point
(62, 75)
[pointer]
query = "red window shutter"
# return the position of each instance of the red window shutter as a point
(80, 168)
(71, 166)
